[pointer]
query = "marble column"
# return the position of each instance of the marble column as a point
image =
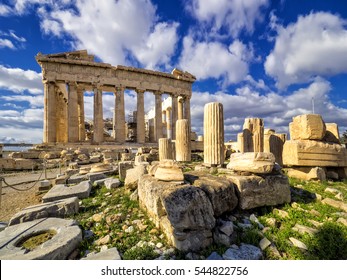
(168, 123)
(273, 143)
(61, 113)
(98, 136)
(49, 121)
(151, 130)
(174, 114)
(180, 108)
(165, 149)
(213, 134)
(72, 114)
(158, 116)
(183, 148)
(119, 116)
(187, 110)
(253, 133)
(140, 117)
(81, 125)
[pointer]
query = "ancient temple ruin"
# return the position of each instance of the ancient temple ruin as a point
(66, 76)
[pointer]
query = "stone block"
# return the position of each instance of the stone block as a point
(59, 209)
(112, 183)
(123, 167)
(220, 191)
(261, 163)
(307, 173)
(307, 127)
(68, 236)
(255, 191)
(77, 178)
(244, 252)
(25, 155)
(133, 175)
(100, 182)
(92, 177)
(332, 134)
(7, 164)
(168, 170)
(334, 203)
(82, 190)
(314, 153)
(184, 212)
(109, 254)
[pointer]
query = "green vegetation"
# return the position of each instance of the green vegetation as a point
(125, 226)
(112, 215)
(36, 240)
(330, 242)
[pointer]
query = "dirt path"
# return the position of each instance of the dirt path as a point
(13, 200)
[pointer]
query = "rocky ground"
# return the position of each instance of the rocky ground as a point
(312, 226)
(26, 194)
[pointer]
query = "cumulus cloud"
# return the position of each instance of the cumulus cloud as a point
(19, 80)
(315, 45)
(118, 32)
(228, 16)
(277, 110)
(215, 60)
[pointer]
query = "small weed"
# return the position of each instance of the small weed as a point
(140, 253)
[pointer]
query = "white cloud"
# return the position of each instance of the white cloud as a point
(6, 43)
(19, 80)
(11, 40)
(4, 10)
(118, 32)
(234, 16)
(34, 101)
(277, 110)
(315, 45)
(215, 60)
(159, 46)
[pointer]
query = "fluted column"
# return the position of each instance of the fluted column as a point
(158, 116)
(273, 143)
(180, 108)
(98, 136)
(241, 142)
(61, 113)
(187, 110)
(72, 114)
(140, 117)
(213, 134)
(168, 123)
(49, 121)
(183, 148)
(119, 116)
(165, 148)
(253, 133)
(81, 125)
(174, 114)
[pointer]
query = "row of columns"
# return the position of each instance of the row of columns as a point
(64, 114)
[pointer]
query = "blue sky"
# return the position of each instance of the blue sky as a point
(259, 58)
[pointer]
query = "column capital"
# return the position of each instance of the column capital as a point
(140, 90)
(120, 87)
(157, 92)
(174, 95)
(48, 82)
(96, 86)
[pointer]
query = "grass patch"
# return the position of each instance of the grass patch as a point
(35, 240)
(121, 220)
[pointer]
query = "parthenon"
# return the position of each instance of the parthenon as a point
(66, 76)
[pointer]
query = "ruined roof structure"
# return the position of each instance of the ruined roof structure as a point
(67, 75)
